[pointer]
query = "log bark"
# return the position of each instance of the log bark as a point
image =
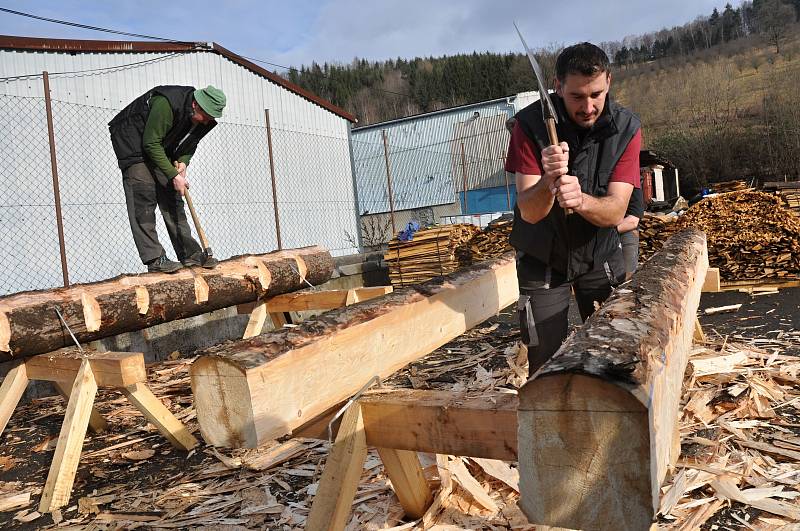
(29, 324)
(249, 391)
(597, 423)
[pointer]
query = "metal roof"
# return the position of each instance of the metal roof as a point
(12, 42)
(434, 113)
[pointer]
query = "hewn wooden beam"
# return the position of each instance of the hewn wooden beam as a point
(442, 422)
(11, 390)
(597, 422)
(408, 480)
(29, 324)
(110, 369)
(437, 422)
(250, 391)
(58, 487)
(323, 300)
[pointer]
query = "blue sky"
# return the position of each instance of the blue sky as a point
(295, 33)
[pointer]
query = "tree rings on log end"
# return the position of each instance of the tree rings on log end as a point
(221, 391)
(584, 454)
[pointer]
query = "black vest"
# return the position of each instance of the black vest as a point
(570, 244)
(127, 127)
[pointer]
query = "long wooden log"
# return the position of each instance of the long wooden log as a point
(29, 324)
(249, 391)
(598, 422)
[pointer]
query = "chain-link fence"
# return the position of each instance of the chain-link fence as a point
(63, 217)
(233, 175)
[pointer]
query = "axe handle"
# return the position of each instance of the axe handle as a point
(551, 131)
(550, 123)
(200, 231)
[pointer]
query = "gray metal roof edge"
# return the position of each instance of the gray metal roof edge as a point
(507, 99)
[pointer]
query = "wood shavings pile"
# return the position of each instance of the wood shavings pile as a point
(739, 469)
(740, 448)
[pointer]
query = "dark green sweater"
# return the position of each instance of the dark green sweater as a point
(159, 122)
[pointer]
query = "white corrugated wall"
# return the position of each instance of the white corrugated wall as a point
(230, 173)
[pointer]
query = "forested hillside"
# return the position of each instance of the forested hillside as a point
(715, 94)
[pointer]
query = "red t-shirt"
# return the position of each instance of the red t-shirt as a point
(523, 158)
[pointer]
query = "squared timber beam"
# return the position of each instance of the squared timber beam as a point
(250, 391)
(110, 369)
(598, 421)
(442, 422)
(324, 300)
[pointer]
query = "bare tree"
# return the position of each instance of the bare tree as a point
(773, 19)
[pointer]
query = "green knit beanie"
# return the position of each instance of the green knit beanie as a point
(211, 99)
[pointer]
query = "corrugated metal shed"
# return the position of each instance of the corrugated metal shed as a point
(89, 82)
(431, 155)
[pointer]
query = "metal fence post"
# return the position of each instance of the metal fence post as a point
(464, 172)
(389, 179)
(359, 235)
(54, 170)
(274, 186)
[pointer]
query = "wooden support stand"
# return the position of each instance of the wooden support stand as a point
(278, 307)
(77, 377)
(400, 423)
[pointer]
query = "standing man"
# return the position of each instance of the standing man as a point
(592, 172)
(154, 138)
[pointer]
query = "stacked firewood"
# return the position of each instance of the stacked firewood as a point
(653, 232)
(751, 235)
(431, 253)
(492, 241)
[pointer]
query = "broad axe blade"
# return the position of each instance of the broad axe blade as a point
(548, 109)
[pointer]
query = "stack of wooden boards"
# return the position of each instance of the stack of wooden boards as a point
(444, 249)
(431, 253)
(788, 191)
(751, 235)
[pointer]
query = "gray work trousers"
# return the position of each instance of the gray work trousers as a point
(143, 192)
(630, 249)
(543, 305)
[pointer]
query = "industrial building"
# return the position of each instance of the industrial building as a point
(273, 136)
(429, 159)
